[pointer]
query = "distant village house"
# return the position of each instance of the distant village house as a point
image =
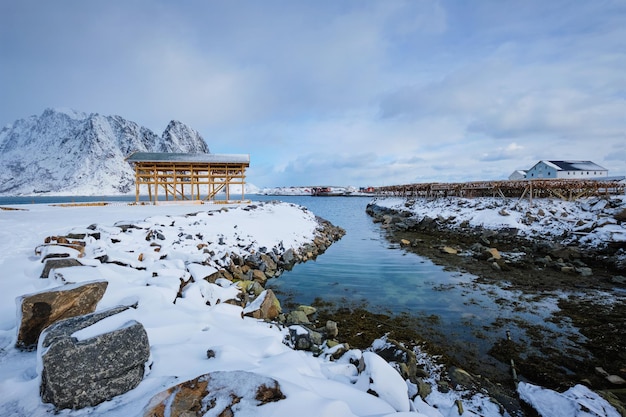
(519, 174)
(562, 170)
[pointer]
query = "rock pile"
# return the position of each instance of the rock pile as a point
(79, 372)
(305, 334)
(85, 362)
(256, 265)
(552, 239)
(549, 247)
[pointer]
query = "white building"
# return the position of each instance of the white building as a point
(566, 170)
(519, 174)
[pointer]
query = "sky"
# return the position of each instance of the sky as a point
(337, 92)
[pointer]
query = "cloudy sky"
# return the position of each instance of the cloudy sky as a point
(339, 92)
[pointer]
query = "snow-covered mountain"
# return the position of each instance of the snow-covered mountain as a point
(74, 153)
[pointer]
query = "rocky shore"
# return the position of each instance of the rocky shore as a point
(574, 250)
(161, 302)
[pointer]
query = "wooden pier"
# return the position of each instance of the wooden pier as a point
(553, 188)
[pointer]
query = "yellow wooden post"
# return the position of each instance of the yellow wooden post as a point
(149, 183)
(155, 182)
(243, 182)
(136, 183)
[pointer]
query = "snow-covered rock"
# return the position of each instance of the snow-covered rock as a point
(74, 153)
(380, 377)
(578, 401)
(590, 222)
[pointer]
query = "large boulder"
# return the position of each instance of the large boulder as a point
(217, 394)
(40, 310)
(83, 366)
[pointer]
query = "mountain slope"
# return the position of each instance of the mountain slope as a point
(69, 152)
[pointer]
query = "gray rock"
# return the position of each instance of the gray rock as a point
(331, 329)
(300, 338)
(478, 248)
(304, 338)
(424, 388)
(254, 261)
(395, 352)
(308, 310)
(288, 257)
(618, 279)
(297, 317)
(567, 253)
(83, 373)
(461, 378)
(56, 263)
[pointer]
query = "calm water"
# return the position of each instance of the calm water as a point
(464, 318)
(452, 311)
(60, 199)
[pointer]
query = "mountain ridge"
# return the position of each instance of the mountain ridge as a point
(68, 152)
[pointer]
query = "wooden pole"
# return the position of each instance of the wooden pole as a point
(156, 185)
(136, 184)
(149, 183)
(243, 182)
(175, 181)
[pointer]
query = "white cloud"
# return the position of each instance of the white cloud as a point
(510, 151)
(338, 92)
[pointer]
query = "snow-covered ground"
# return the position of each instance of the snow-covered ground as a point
(286, 191)
(181, 333)
(589, 222)
(349, 190)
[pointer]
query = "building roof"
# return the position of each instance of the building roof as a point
(189, 157)
(576, 166)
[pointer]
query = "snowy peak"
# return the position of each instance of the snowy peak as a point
(64, 151)
(71, 113)
(178, 135)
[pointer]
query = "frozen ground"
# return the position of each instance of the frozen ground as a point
(181, 333)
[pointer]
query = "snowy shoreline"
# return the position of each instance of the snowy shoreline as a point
(180, 333)
(539, 217)
(595, 225)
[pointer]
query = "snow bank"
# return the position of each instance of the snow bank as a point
(589, 221)
(578, 401)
